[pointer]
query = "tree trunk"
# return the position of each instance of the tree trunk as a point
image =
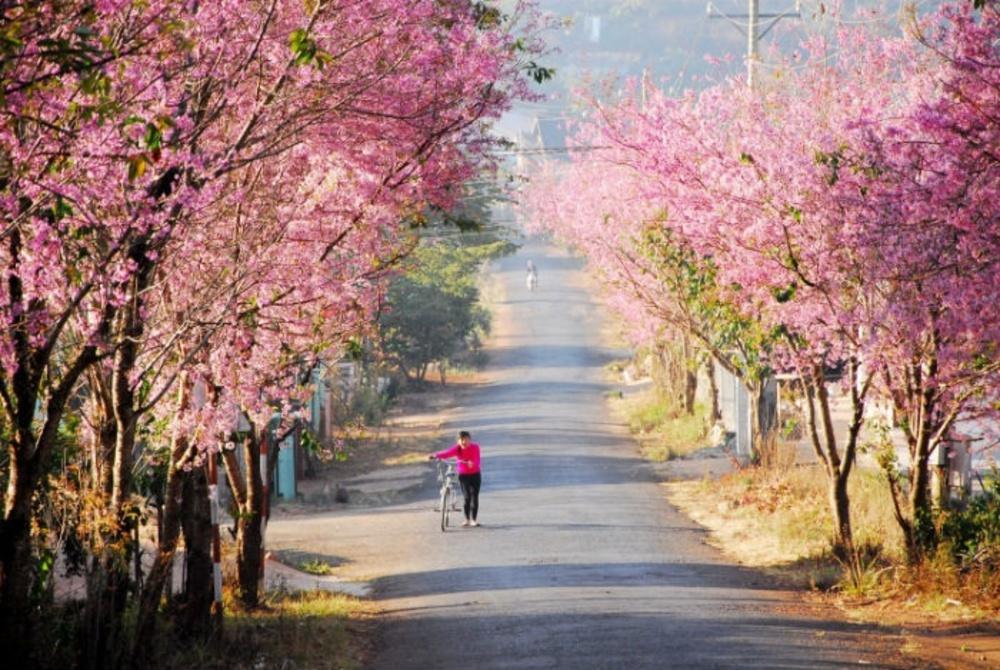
(22, 469)
(765, 443)
(690, 364)
(108, 598)
(103, 642)
(249, 538)
(921, 526)
(840, 505)
(690, 391)
(194, 614)
(918, 403)
(161, 572)
(836, 464)
(102, 418)
(98, 625)
(715, 413)
(29, 451)
(16, 625)
(249, 560)
(670, 377)
(759, 447)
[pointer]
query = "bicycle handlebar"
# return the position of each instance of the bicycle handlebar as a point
(451, 464)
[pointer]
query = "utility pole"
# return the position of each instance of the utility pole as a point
(753, 54)
(752, 28)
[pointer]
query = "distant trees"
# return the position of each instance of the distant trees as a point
(433, 315)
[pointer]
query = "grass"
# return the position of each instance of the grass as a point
(314, 629)
(761, 523)
(306, 561)
(407, 458)
(316, 567)
(779, 521)
(940, 588)
(662, 434)
(766, 518)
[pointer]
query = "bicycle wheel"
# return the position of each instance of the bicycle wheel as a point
(445, 494)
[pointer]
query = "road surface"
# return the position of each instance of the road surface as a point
(580, 562)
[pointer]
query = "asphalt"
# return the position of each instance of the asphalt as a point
(580, 562)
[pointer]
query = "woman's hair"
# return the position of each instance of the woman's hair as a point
(464, 433)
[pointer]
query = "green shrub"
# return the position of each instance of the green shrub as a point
(648, 416)
(976, 528)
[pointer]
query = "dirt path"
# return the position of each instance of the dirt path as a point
(580, 563)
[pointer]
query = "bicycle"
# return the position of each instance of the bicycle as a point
(449, 491)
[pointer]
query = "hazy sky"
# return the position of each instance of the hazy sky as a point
(670, 39)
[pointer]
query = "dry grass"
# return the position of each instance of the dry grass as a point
(941, 589)
(317, 629)
(786, 512)
(780, 521)
(759, 521)
(661, 434)
(408, 458)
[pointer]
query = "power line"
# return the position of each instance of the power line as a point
(752, 29)
(553, 150)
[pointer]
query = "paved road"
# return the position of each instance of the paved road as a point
(580, 562)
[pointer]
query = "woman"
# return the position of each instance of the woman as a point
(466, 453)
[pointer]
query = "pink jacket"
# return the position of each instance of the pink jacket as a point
(468, 458)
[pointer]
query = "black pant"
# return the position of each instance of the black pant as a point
(470, 489)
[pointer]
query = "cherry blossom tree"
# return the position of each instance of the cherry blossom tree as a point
(291, 139)
(935, 172)
(831, 212)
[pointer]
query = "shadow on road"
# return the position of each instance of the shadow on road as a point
(554, 356)
(698, 578)
(677, 639)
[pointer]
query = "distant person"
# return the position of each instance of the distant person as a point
(466, 453)
(532, 279)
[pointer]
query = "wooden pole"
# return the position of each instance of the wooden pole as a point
(213, 494)
(265, 506)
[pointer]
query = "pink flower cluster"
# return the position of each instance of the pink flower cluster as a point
(214, 191)
(850, 209)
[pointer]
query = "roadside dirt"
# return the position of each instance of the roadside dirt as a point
(951, 642)
(954, 643)
(392, 463)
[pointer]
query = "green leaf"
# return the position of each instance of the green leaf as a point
(539, 73)
(303, 47)
(354, 349)
(297, 38)
(61, 209)
(784, 294)
(10, 41)
(154, 136)
(487, 17)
